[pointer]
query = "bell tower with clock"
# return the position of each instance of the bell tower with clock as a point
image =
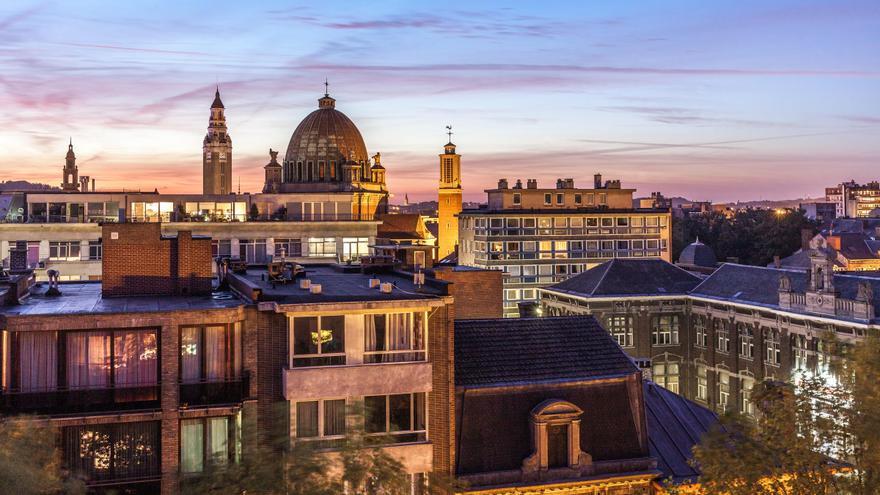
(217, 152)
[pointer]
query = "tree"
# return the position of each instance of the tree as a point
(818, 435)
(254, 212)
(30, 461)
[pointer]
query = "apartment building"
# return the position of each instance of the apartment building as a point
(539, 236)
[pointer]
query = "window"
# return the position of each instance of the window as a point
(620, 327)
(133, 356)
(210, 353)
(746, 405)
(401, 416)
(288, 248)
(64, 251)
(221, 248)
(557, 445)
(548, 198)
(578, 198)
(603, 198)
(96, 250)
(665, 330)
(252, 251)
(212, 441)
(722, 336)
(354, 247)
(117, 451)
(560, 198)
(801, 350)
(37, 361)
(555, 425)
(517, 198)
(773, 347)
(723, 390)
(666, 375)
(746, 341)
(320, 419)
(318, 341)
(324, 247)
(394, 337)
(701, 336)
(702, 383)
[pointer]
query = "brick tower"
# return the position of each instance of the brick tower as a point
(71, 179)
(217, 152)
(449, 201)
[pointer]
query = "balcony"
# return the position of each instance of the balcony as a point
(80, 400)
(208, 393)
(356, 380)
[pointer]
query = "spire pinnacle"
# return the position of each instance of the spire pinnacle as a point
(449, 132)
(218, 103)
(326, 88)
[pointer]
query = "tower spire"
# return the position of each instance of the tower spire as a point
(449, 132)
(326, 87)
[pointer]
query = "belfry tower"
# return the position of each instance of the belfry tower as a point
(449, 201)
(71, 173)
(217, 152)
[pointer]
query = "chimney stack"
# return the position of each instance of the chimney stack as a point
(502, 183)
(560, 184)
(597, 181)
(518, 184)
(532, 183)
(18, 257)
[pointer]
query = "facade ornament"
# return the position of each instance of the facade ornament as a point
(865, 292)
(785, 283)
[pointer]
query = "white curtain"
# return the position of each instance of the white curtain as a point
(136, 358)
(371, 338)
(88, 360)
(192, 446)
(218, 440)
(215, 353)
(38, 358)
(398, 333)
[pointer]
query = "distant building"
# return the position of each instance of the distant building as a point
(217, 152)
(854, 200)
(712, 339)
(449, 201)
(822, 212)
(851, 252)
(542, 236)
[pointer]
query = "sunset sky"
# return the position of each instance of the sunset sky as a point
(707, 99)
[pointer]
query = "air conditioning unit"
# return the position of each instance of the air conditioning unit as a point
(386, 287)
(374, 282)
(315, 289)
(305, 283)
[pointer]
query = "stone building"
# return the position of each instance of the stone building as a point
(711, 339)
(538, 237)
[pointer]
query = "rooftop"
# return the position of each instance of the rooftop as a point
(85, 298)
(501, 352)
(629, 277)
(340, 283)
(484, 209)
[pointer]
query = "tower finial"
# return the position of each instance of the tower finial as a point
(71, 142)
(326, 87)
(449, 132)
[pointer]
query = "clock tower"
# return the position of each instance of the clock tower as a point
(449, 200)
(217, 152)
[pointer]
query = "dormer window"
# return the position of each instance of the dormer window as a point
(556, 437)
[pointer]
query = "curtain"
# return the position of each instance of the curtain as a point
(374, 332)
(215, 353)
(192, 446)
(398, 335)
(38, 357)
(88, 360)
(218, 440)
(136, 358)
(334, 417)
(190, 358)
(419, 331)
(306, 419)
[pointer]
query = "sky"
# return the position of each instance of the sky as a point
(720, 101)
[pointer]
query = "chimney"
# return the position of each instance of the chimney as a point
(532, 183)
(806, 237)
(569, 183)
(93, 185)
(502, 183)
(518, 184)
(597, 181)
(18, 257)
(560, 184)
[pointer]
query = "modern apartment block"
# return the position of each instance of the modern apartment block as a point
(712, 339)
(540, 236)
(855, 200)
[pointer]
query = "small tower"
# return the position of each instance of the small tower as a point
(217, 152)
(71, 173)
(377, 171)
(449, 200)
(821, 296)
(273, 173)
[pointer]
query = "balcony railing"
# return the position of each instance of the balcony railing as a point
(207, 393)
(80, 400)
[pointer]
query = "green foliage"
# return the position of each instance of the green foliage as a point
(752, 236)
(254, 212)
(30, 461)
(821, 436)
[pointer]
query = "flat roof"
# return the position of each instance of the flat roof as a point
(85, 298)
(340, 283)
(559, 211)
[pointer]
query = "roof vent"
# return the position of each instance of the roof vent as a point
(386, 287)
(315, 288)
(305, 283)
(374, 282)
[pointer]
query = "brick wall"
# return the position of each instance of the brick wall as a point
(441, 402)
(477, 293)
(137, 260)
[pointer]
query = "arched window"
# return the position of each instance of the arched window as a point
(556, 435)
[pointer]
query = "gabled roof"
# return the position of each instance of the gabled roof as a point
(675, 425)
(630, 277)
(499, 352)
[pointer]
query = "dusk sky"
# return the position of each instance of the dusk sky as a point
(706, 99)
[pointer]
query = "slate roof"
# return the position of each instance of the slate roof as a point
(497, 352)
(629, 277)
(698, 254)
(675, 425)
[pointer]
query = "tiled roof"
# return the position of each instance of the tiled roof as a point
(630, 277)
(675, 425)
(535, 350)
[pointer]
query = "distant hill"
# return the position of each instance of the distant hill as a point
(775, 203)
(23, 185)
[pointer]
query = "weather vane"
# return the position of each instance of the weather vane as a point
(326, 87)
(449, 132)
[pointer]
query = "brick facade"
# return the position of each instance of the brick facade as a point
(478, 293)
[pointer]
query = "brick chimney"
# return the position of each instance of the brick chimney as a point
(18, 257)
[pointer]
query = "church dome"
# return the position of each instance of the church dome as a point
(697, 254)
(326, 135)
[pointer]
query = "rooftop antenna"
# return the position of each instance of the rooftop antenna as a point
(239, 184)
(326, 87)
(449, 132)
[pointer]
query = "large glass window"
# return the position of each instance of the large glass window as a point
(210, 353)
(64, 251)
(701, 337)
(620, 327)
(773, 346)
(323, 247)
(96, 250)
(320, 419)
(288, 248)
(665, 330)
(354, 247)
(88, 360)
(394, 337)
(746, 341)
(37, 361)
(722, 337)
(702, 383)
(252, 251)
(221, 248)
(402, 416)
(318, 341)
(666, 375)
(213, 441)
(118, 451)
